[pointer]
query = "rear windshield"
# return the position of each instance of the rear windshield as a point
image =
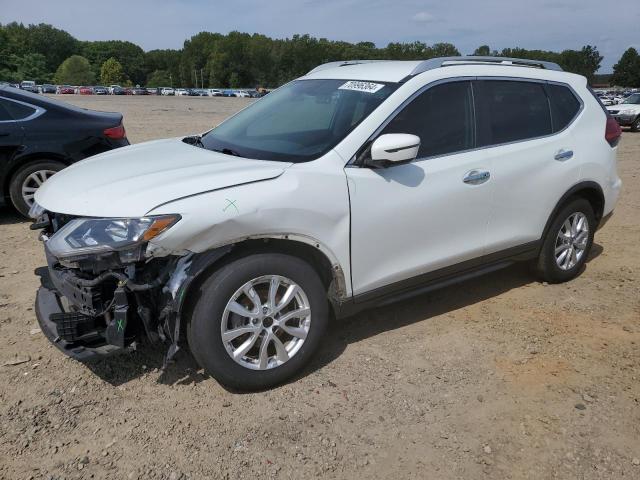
(299, 122)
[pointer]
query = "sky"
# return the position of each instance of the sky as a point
(533, 24)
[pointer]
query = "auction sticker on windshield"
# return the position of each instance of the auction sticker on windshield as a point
(368, 87)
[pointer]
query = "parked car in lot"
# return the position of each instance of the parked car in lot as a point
(29, 86)
(167, 91)
(40, 136)
(228, 93)
(118, 91)
(242, 93)
(99, 90)
(182, 92)
(112, 88)
(139, 91)
(214, 92)
(627, 113)
(85, 90)
(356, 185)
(153, 91)
(66, 90)
(47, 88)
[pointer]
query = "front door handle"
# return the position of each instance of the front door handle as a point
(476, 177)
(563, 155)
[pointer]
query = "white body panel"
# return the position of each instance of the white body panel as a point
(397, 222)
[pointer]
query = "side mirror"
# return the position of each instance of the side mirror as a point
(393, 149)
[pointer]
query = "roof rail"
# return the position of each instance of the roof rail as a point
(432, 63)
(342, 63)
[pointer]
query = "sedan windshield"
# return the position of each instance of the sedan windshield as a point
(633, 99)
(299, 122)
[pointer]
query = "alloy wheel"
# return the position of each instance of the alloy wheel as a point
(571, 241)
(266, 322)
(32, 183)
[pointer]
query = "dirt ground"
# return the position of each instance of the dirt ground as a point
(500, 377)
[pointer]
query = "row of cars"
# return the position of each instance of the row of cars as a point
(614, 97)
(31, 86)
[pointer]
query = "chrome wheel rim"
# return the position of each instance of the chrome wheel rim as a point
(572, 240)
(32, 183)
(266, 322)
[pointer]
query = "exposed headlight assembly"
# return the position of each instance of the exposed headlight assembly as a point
(628, 111)
(91, 236)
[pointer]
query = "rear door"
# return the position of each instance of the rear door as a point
(11, 137)
(524, 127)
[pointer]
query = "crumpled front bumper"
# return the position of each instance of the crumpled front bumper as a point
(49, 302)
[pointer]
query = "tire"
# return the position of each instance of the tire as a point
(552, 266)
(211, 315)
(635, 126)
(28, 177)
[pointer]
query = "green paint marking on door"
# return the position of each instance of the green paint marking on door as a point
(120, 325)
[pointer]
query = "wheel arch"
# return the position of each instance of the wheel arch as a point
(590, 191)
(21, 162)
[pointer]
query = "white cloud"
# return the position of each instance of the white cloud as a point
(423, 17)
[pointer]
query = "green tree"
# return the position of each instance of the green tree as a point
(75, 70)
(482, 51)
(159, 78)
(626, 72)
(32, 66)
(130, 56)
(111, 72)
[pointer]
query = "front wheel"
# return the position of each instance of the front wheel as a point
(635, 126)
(258, 320)
(568, 242)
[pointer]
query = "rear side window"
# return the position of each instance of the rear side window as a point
(509, 111)
(442, 116)
(4, 114)
(18, 111)
(564, 106)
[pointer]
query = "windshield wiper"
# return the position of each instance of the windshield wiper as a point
(227, 151)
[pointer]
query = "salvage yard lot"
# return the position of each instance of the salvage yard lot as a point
(498, 377)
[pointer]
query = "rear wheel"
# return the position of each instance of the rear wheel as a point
(568, 242)
(258, 320)
(26, 181)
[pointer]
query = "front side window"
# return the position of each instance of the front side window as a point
(4, 114)
(508, 111)
(298, 122)
(442, 116)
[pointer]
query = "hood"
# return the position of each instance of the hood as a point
(131, 181)
(624, 106)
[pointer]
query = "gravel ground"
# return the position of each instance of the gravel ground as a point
(498, 377)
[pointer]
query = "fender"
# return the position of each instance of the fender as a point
(584, 185)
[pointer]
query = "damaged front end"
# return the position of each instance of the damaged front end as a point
(102, 290)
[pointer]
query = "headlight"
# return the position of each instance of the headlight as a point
(84, 236)
(628, 111)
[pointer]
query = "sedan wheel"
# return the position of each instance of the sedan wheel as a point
(32, 182)
(571, 241)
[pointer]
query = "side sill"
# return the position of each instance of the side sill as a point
(437, 279)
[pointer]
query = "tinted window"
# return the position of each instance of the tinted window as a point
(564, 106)
(511, 110)
(4, 115)
(17, 110)
(441, 116)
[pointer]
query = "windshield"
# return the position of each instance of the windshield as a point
(634, 99)
(299, 122)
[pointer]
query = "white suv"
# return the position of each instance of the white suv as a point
(355, 185)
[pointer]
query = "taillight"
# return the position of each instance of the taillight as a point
(613, 131)
(115, 133)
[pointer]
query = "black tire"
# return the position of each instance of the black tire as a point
(635, 126)
(204, 329)
(18, 178)
(547, 266)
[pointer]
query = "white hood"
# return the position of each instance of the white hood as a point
(131, 181)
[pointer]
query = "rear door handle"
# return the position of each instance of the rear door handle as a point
(476, 177)
(563, 155)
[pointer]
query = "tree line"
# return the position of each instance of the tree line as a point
(50, 55)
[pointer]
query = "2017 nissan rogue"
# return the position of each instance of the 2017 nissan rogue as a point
(355, 185)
